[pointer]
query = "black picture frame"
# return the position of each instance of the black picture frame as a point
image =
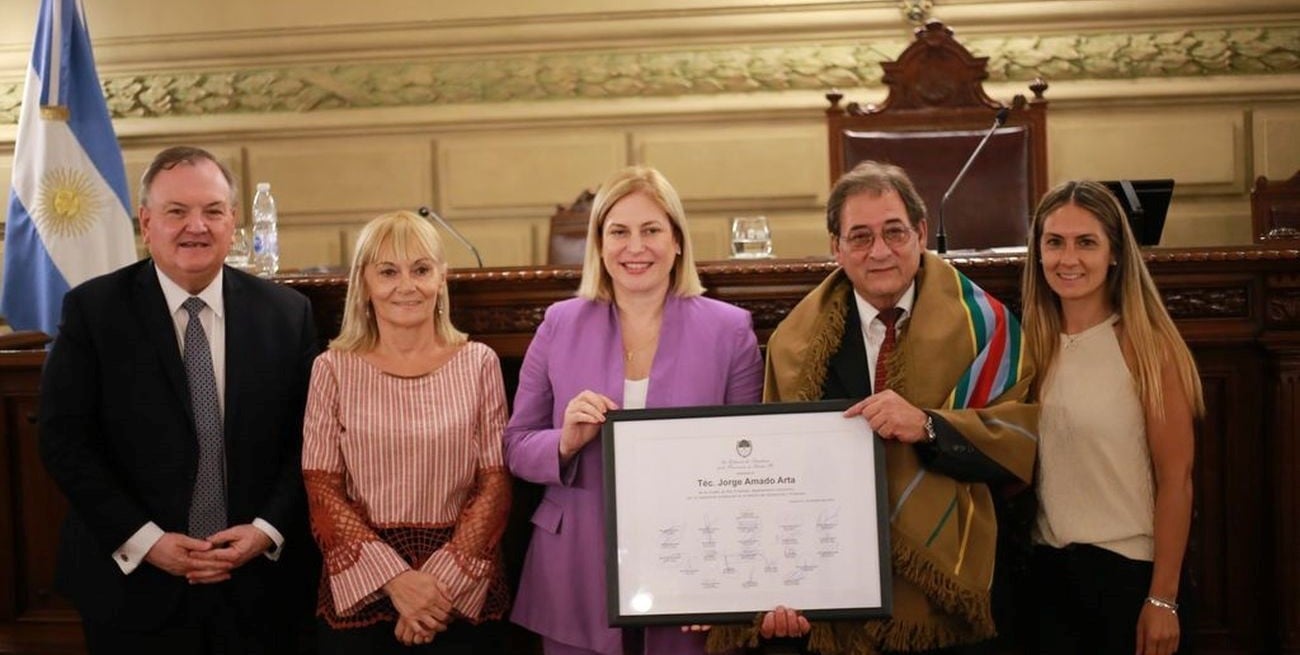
(614, 434)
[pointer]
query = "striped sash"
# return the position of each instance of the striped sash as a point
(996, 334)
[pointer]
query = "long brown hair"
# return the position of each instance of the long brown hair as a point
(1147, 326)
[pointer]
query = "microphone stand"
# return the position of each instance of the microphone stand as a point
(429, 213)
(941, 237)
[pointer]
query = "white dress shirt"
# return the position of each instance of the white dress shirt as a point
(873, 329)
(213, 318)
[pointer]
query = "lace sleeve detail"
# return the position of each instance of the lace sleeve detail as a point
(470, 562)
(340, 526)
(357, 560)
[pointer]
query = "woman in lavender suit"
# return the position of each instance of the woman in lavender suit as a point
(639, 334)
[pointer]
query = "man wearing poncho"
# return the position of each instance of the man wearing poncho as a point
(952, 413)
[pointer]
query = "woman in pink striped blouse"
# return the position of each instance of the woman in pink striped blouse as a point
(402, 459)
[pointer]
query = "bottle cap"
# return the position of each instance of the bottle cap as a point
(263, 186)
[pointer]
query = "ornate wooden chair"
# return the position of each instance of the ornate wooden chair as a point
(1275, 211)
(934, 117)
(568, 239)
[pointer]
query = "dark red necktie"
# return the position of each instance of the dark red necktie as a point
(890, 318)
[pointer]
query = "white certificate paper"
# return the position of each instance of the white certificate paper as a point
(714, 514)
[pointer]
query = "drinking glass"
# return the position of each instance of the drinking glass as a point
(241, 249)
(750, 238)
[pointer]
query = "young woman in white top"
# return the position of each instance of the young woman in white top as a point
(1119, 393)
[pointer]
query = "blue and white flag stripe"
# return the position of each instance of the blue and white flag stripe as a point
(68, 209)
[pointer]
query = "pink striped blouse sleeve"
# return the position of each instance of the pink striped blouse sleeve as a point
(357, 561)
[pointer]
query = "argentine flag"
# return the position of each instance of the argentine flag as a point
(68, 209)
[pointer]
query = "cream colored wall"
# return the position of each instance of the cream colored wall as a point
(493, 112)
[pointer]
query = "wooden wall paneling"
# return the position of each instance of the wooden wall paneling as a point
(9, 560)
(513, 172)
(799, 234)
(1286, 478)
(1146, 143)
(499, 189)
(311, 246)
(34, 619)
(1227, 540)
(752, 163)
(41, 506)
(1282, 318)
(18, 402)
(710, 236)
(795, 233)
(500, 241)
(1276, 140)
(1220, 314)
(1213, 307)
(343, 175)
(1208, 221)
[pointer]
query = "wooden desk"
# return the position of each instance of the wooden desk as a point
(1238, 308)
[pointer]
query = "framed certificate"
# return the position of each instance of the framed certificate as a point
(716, 513)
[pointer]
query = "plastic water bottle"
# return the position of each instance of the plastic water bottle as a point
(266, 247)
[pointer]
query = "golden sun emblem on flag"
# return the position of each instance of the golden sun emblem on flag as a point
(67, 203)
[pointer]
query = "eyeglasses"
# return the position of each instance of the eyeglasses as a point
(894, 236)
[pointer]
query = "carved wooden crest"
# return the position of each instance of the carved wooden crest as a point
(935, 72)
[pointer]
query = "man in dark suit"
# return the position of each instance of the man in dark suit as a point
(171, 418)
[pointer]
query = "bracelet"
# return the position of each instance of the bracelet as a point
(930, 436)
(1163, 604)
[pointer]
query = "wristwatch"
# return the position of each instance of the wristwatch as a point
(930, 436)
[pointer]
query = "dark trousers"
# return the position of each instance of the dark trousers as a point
(1088, 600)
(460, 638)
(796, 647)
(206, 622)
(982, 648)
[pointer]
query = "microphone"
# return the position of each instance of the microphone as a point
(429, 213)
(941, 237)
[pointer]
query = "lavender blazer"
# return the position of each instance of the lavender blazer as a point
(707, 355)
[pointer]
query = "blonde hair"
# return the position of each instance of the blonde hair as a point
(596, 283)
(409, 237)
(1147, 326)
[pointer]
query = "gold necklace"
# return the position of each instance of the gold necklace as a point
(630, 353)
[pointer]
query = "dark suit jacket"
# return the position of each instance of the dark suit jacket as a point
(117, 435)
